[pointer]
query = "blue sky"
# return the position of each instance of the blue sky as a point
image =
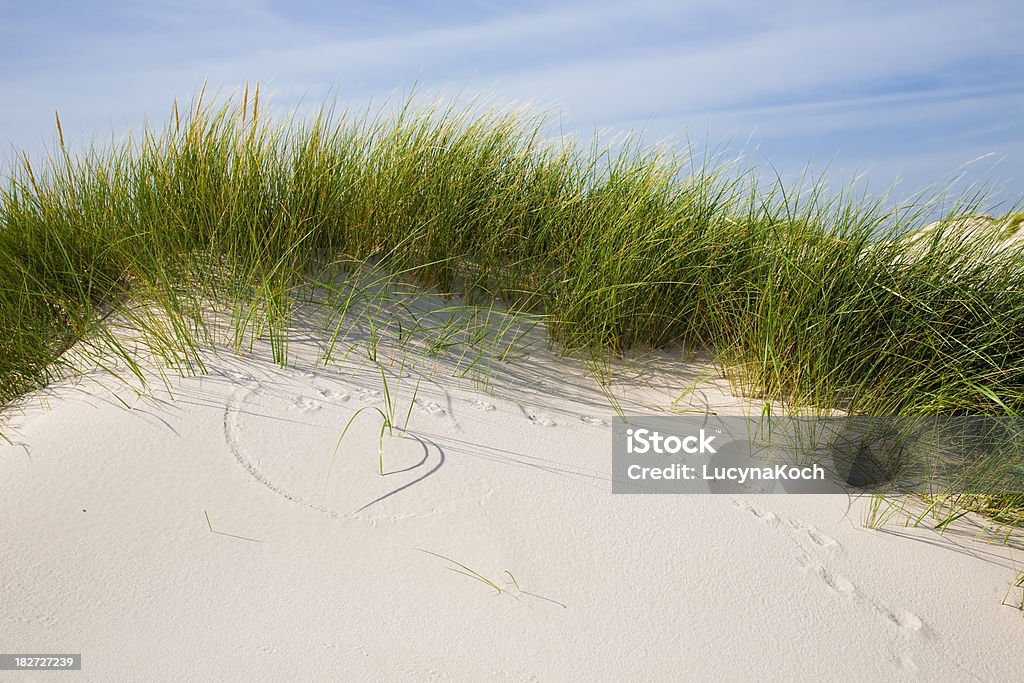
(898, 92)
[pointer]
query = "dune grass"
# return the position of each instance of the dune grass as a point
(805, 298)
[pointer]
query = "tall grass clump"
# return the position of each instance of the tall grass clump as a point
(829, 301)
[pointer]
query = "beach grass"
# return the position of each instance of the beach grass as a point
(809, 298)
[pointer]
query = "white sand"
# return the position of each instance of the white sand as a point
(107, 552)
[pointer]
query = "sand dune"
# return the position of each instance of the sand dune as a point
(213, 529)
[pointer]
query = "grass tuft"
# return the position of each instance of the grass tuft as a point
(807, 298)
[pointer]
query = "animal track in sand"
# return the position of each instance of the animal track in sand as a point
(306, 404)
(368, 394)
(817, 538)
(836, 582)
(591, 420)
(45, 619)
(541, 419)
(431, 407)
(904, 619)
(813, 551)
(482, 405)
(333, 395)
(833, 580)
(769, 518)
(808, 542)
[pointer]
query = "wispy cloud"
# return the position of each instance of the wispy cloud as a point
(875, 83)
